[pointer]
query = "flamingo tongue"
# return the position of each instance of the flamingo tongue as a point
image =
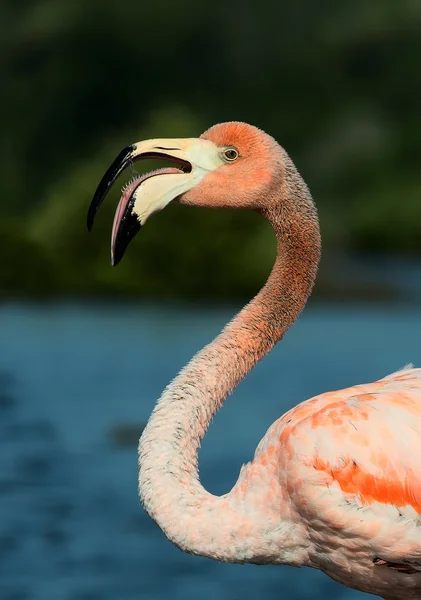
(125, 224)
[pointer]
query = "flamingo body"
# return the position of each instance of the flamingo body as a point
(350, 480)
(335, 484)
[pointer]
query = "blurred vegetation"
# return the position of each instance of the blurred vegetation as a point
(337, 83)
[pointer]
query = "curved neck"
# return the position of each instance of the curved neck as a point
(169, 486)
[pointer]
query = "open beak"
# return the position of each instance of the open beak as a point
(193, 159)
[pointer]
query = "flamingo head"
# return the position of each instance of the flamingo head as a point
(230, 165)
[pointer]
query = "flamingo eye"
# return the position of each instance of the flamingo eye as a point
(231, 154)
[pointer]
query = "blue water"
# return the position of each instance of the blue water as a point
(71, 527)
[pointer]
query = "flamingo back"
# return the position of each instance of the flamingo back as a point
(350, 468)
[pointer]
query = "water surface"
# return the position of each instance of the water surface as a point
(71, 526)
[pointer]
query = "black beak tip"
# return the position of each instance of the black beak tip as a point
(127, 229)
(92, 211)
(89, 222)
(117, 253)
(119, 164)
(115, 260)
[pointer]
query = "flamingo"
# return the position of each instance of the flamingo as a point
(335, 484)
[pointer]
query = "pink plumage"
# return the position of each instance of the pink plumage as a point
(335, 483)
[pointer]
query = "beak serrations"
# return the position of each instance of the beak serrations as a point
(119, 164)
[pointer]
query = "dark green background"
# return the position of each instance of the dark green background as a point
(337, 83)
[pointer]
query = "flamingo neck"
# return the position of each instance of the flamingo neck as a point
(196, 521)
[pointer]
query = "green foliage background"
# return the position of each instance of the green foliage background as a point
(337, 83)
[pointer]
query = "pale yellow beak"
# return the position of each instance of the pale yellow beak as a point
(193, 157)
(196, 158)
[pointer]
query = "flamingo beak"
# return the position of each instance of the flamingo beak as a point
(193, 159)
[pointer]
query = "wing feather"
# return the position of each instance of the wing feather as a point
(365, 439)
